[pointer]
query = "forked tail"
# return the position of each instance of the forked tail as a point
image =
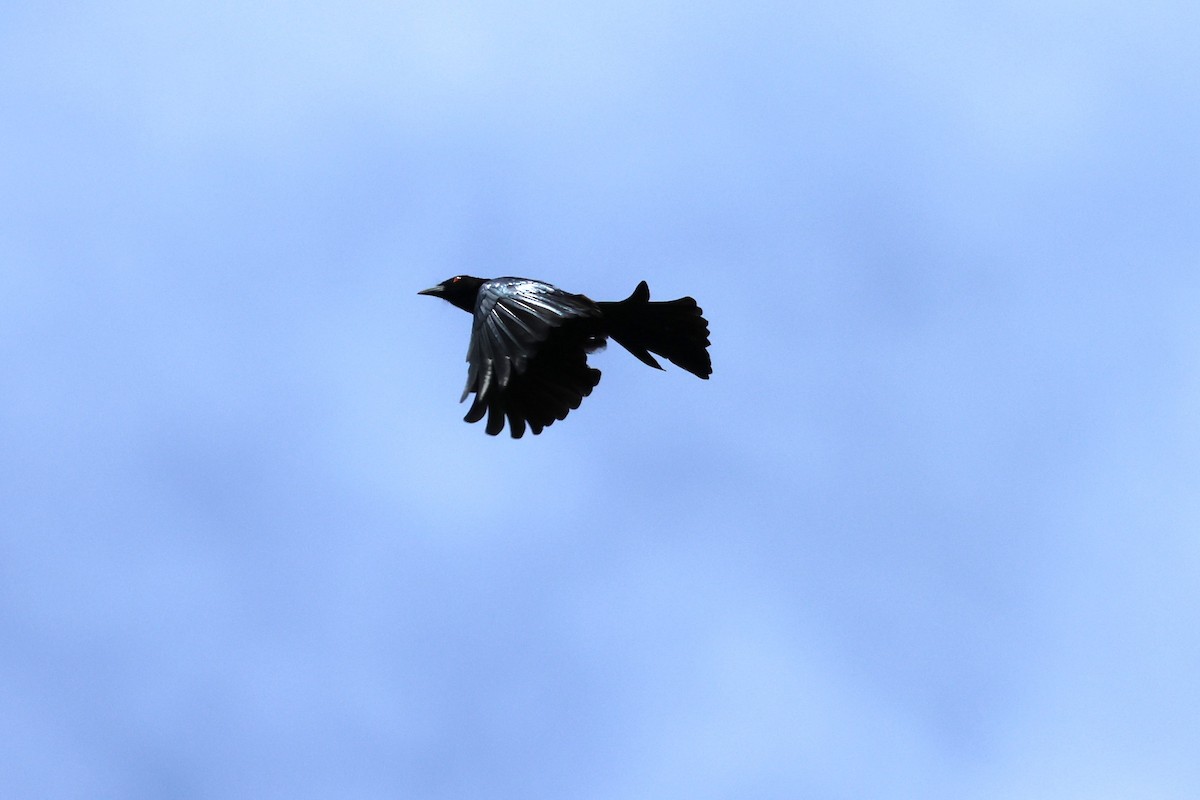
(673, 329)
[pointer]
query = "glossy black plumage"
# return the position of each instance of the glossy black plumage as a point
(529, 344)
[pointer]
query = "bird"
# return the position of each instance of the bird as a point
(527, 357)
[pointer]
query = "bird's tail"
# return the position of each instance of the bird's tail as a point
(673, 329)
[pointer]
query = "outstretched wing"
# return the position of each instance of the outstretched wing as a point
(528, 354)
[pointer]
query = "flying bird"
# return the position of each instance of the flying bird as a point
(527, 358)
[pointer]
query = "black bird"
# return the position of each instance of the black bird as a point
(530, 341)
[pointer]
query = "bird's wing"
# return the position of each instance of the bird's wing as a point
(513, 316)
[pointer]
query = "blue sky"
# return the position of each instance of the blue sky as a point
(931, 530)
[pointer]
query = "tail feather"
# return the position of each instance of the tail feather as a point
(673, 329)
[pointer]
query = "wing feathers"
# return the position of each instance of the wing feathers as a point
(528, 354)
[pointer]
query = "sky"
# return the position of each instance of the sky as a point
(931, 530)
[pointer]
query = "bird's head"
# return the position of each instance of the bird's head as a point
(459, 290)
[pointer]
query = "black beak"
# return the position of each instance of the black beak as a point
(433, 290)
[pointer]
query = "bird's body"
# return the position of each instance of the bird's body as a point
(530, 341)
